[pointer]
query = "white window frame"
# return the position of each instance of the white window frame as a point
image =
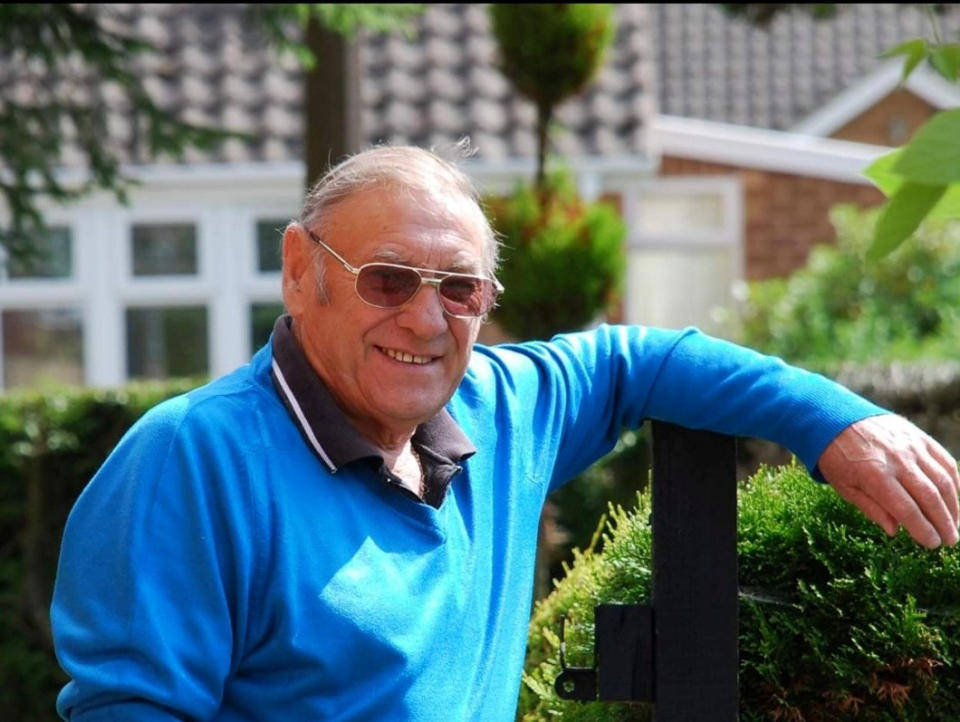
(729, 235)
(29, 294)
(224, 204)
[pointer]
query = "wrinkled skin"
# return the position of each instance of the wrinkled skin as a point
(898, 476)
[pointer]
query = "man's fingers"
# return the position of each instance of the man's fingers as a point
(940, 475)
(887, 493)
(949, 470)
(916, 505)
(929, 504)
(870, 508)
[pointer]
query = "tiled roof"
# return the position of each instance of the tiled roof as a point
(214, 66)
(713, 67)
(444, 83)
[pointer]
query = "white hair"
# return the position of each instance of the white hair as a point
(408, 169)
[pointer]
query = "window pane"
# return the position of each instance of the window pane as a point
(164, 249)
(675, 213)
(676, 288)
(53, 257)
(262, 318)
(166, 342)
(269, 236)
(42, 345)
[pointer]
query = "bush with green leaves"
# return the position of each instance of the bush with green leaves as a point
(841, 307)
(562, 260)
(837, 621)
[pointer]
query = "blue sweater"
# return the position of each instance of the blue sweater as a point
(214, 569)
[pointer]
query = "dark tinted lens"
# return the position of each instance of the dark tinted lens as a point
(466, 295)
(386, 286)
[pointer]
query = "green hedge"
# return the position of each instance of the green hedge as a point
(51, 443)
(852, 625)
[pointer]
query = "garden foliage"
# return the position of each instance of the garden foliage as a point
(563, 258)
(903, 307)
(837, 621)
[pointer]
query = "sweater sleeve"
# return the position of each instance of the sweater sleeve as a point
(708, 383)
(587, 387)
(145, 599)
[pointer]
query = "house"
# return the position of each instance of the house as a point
(185, 279)
(776, 124)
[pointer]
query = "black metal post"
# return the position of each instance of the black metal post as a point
(695, 575)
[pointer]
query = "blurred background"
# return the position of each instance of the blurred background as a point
(722, 141)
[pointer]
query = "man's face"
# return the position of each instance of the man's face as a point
(390, 369)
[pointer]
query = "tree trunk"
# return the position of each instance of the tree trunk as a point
(331, 100)
(544, 115)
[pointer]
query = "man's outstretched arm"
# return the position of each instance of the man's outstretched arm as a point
(896, 475)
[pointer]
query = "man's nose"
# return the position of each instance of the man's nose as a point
(423, 314)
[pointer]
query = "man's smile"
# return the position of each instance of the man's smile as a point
(405, 357)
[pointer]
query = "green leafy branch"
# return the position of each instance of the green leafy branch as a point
(284, 22)
(922, 179)
(62, 63)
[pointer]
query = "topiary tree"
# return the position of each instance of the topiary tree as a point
(563, 261)
(563, 258)
(550, 52)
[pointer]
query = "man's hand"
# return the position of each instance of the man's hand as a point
(897, 476)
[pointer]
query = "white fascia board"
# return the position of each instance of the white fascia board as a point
(190, 185)
(525, 167)
(933, 88)
(594, 175)
(860, 97)
(197, 173)
(201, 181)
(772, 150)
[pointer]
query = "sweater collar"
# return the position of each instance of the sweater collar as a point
(328, 431)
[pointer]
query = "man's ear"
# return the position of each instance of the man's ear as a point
(297, 269)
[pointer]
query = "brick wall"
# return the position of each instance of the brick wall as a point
(892, 121)
(784, 215)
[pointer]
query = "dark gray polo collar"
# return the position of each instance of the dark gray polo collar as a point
(440, 442)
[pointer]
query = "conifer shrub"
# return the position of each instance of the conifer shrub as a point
(562, 260)
(837, 621)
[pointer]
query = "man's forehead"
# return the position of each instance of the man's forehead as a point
(396, 225)
(460, 258)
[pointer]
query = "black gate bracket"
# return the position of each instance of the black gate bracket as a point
(692, 671)
(623, 657)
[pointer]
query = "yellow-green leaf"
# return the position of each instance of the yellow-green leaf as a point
(901, 215)
(949, 205)
(915, 50)
(946, 60)
(881, 172)
(932, 157)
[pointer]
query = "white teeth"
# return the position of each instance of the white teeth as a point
(406, 357)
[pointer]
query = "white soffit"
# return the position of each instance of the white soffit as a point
(860, 97)
(772, 150)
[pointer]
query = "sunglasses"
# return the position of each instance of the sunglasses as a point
(389, 285)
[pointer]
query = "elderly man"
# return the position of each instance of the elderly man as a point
(345, 528)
